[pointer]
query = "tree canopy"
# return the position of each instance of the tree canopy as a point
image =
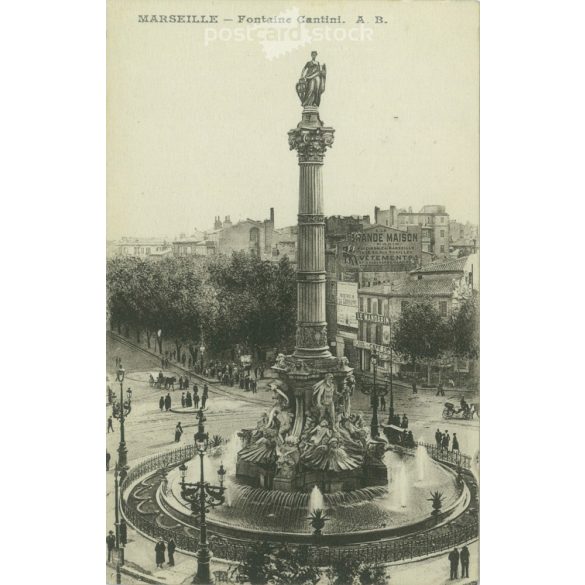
(221, 300)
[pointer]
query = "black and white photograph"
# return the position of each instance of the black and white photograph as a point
(292, 384)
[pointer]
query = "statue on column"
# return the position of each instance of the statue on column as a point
(312, 82)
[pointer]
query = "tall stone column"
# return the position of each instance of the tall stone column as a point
(311, 139)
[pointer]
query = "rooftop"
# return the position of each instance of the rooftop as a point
(402, 288)
(444, 265)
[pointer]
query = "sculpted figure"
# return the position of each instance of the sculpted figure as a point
(312, 82)
(324, 394)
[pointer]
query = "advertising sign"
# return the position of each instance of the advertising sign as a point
(347, 303)
(381, 249)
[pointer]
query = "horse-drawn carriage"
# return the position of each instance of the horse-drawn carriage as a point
(161, 380)
(466, 411)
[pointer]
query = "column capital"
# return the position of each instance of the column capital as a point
(310, 142)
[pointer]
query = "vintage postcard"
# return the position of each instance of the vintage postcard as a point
(292, 377)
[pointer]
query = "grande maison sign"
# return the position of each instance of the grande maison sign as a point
(381, 249)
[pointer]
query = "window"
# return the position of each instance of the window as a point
(147, 251)
(362, 304)
(443, 308)
(374, 306)
(369, 305)
(442, 248)
(379, 334)
(442, 233)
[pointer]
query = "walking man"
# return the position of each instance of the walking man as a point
(160, 548)
(171, 550)
(108, 456)
(455, 445)
(438, 438)
(440, 391)
(195, 397)
(110, 425)
(111, 543)
(454, 561)
(464, 556)
(382, 403)
(161, 403)
(404, 424)
(168, 402)
(204, 396)
(178, 432)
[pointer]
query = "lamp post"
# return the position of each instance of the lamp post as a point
(202, 351)
(118, 471)
(374, 393)
(391, 408)
(121, 413)
(202, 496)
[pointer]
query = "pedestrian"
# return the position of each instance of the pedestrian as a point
(180, 382)
(455, 442)
(168, 402)
(189, 365)
(108, 457)
(247, 382)
(186, 383)
(204, 396)
(440, 391)
(183, 360)
(110, 424)
(178, 432)
(183, 400)
(404, 423)
(464, 556)
(123, 532)
(438, 438)
(414, 388)
(161, 403)
(160, 548)
(110, 395)
(171, 550)
(196, 397)
(446, 440)
(110, 543)
(188, 401)
(162, 363)
(382, 403)
(454, 561)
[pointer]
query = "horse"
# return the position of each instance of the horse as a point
(170, 383)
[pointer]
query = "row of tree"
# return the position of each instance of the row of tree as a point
(422, 335)
(220, 301)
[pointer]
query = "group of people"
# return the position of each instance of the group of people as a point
(443, 441)
(160, 549)
(455, 557)
(232, 374)
(165, 402)
(189, 400)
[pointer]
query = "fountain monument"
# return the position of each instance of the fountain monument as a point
(311, 437)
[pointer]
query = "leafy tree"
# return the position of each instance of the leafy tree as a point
(464, 329)
(421, 333)
(278, 565)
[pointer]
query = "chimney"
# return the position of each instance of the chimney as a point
(376, 211)
(272, 215)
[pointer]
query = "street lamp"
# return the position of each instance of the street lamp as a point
(202, 351)
(119, 545)
(391, 409)
(121, 413)
(202, 496)
(374, 392)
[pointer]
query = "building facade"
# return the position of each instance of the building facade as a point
(446, 283)
(142, 247)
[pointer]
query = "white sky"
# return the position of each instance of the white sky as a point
(196, 131)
